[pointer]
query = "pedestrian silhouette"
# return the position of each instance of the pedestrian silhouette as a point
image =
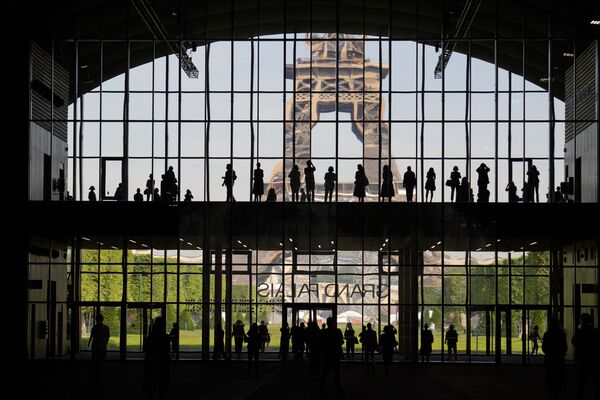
(351, 340)
(219, 347)
(119, 195)
(294, 176)
(430, 185)
(451, 341)
(309, 180)
(258, 188)
(238, 337)
(387, 186)
(533, 180)
(511, 188)
(483, 196)
(302, 196)
(312, 336)
(272, 195)
(265, 338)
(228, 181)
(156, 195)
(170, 191)
(534, 336)
(369, 342)
(297, 333)
(188, 196)
(387, 345)
(253, 345)
(92, 194)
(99, 340)
(554, 346)
(426, 343)
(149, 187)
(157, 359)
(586, 343)
(138, 197)
(330, 180)
(454, 183)
(527, 193)
(284, 341)
(409, 182)
(174, 337)
(558, 196)
(360, 183)
(330, 343)
(464, 192)
(482, 181)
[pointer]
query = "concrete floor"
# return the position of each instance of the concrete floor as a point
(195, 380)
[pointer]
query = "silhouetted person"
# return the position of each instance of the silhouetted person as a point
(387, 344)
(284, 342)
(219, 347)
(483, 196)
(170, 191)
(430, 185)
(238, 336)
(156, 195)
(253, 340)
(586, 342)
(330, 180)
(482, 178)
(533, 180)
(554, 346)
(369, 342)
(294, 176)
(360, 183)
(387, 185)
(330, 343)
(149, 187)
(534, 336)
(309, 180)
(302, 196)
(297, 333)
(138, 197)
(188, 196)
(451, 341)
(264, 336)
(228, 181)
(351, 340)
(426, 343)
(174, 337)
(157, 359)
(454, 183)
(409, 182)
(163, 188)
(258, 188)
(92, 194)
(511, 188)
(99, 339)
(463, 192)
(272, 195)
(558, 196)
(68, 197)
(119, 195)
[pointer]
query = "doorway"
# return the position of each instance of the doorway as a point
(516, 336)
(302, 312)
(139, 321)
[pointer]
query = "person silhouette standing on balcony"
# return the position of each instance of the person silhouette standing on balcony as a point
(330, 180)
(309, 180)
(258, 189)
(228, 181)
(295, 182)
(387, 186)
(533, 180)
(360, 183)
(430, 185)
(409, 182)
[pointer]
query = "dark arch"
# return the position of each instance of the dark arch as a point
(420, 20)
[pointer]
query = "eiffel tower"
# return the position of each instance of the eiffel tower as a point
(318, 89)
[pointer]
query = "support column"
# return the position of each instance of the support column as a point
(228, 295)
(206, 265)
(217, 319)
(408, 328)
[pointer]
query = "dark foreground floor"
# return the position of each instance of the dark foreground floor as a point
(194, 380)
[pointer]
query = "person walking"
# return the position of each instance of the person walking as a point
(409, 182)
(238, 337)
(258, 188)
(534, 336)
(99, 341)
(229, 181)
(430, 185)
(426, 343)
(451, 341)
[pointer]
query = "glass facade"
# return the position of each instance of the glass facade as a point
(339, 100)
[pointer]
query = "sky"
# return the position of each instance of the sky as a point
(404, 75)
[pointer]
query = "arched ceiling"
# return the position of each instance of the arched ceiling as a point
(419, 20)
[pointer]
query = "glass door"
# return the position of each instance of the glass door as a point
(139, 320)
(482, 338)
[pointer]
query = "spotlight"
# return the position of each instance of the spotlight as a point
(568, 53)
(595, 21)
